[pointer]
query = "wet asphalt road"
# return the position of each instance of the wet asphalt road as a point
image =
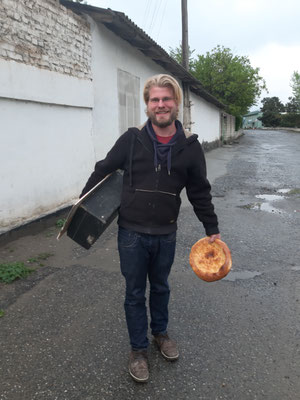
(64, 337)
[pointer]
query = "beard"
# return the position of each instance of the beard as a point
(165, 122)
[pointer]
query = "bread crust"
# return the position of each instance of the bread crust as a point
(210, 261)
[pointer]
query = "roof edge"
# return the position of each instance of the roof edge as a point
(121, 25)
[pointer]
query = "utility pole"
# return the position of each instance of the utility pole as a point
(185, 64)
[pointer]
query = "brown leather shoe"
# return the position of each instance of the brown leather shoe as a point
(167, 346)
(138, 365)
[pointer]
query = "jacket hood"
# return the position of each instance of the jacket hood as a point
(186, 132)
(192, 138)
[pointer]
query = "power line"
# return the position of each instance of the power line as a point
(156, 9)
(161, 20)
(146, 14)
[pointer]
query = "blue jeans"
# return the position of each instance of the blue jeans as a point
(143, 255)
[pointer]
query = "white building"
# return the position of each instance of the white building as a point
(71, 81)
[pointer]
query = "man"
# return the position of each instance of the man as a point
(158, 160)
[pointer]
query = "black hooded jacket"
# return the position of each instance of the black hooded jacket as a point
(151, 197)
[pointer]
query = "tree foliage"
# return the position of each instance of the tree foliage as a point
(272, 108)
(272, 104)
(270, 119)
(176, 54)
(290, 120)
(295, 84)
(230, 78)
(276, 114)
(293, 105)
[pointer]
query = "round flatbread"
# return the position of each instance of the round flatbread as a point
(210, 261)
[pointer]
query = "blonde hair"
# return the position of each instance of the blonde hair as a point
(163, 80)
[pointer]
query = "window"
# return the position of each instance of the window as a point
(129, 100)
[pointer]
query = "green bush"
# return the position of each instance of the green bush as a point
(238, 122)
(270, 119)
(290, 120)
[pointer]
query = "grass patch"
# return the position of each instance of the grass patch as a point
(252, 206)
(60, 223)
(294, 191)
(49, 234)
(2, 313)
(18, 270)
(40, 257)
(12, 271)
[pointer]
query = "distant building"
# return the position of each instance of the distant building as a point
(251, 121)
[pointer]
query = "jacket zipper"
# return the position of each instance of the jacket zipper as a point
(155, 191)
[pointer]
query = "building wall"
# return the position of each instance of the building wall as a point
(205, 119)
(228, 132)
(44, 34)
(251, 121)
(110, 54)
(46, 102)
(62, 83)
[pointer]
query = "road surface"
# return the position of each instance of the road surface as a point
(63, 335)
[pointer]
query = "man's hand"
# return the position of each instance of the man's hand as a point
(212, 238)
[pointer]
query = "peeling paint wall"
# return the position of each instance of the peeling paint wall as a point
(46, 102)
(44, 34)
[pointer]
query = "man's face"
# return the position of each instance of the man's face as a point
(162, 108)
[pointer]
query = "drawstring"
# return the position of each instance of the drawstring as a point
(162, 151)
(169, 160)
(131, 157)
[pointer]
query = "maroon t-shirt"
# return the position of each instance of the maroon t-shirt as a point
(164, 139)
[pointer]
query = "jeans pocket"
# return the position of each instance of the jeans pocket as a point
(170, 238)
(127, 238)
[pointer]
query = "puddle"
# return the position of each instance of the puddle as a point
(269, 197)
(269, 208)
(284, 190)
(236, 275)
(296, 268)
(266, 205)
(262, 207)
(289, 191)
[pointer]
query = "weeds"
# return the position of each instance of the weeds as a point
(39, 258)
(49, 234)
(294, 191)
(60, 223)
(12, 271)
(2, 313)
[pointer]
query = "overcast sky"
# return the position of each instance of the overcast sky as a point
(267, 31)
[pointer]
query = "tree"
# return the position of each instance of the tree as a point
(231, 79)
(292, 117)
(272, 104)
(295, 84)
(292, 106)
(290, 120)
(176, 54)
(270, 119)
(272, 109)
